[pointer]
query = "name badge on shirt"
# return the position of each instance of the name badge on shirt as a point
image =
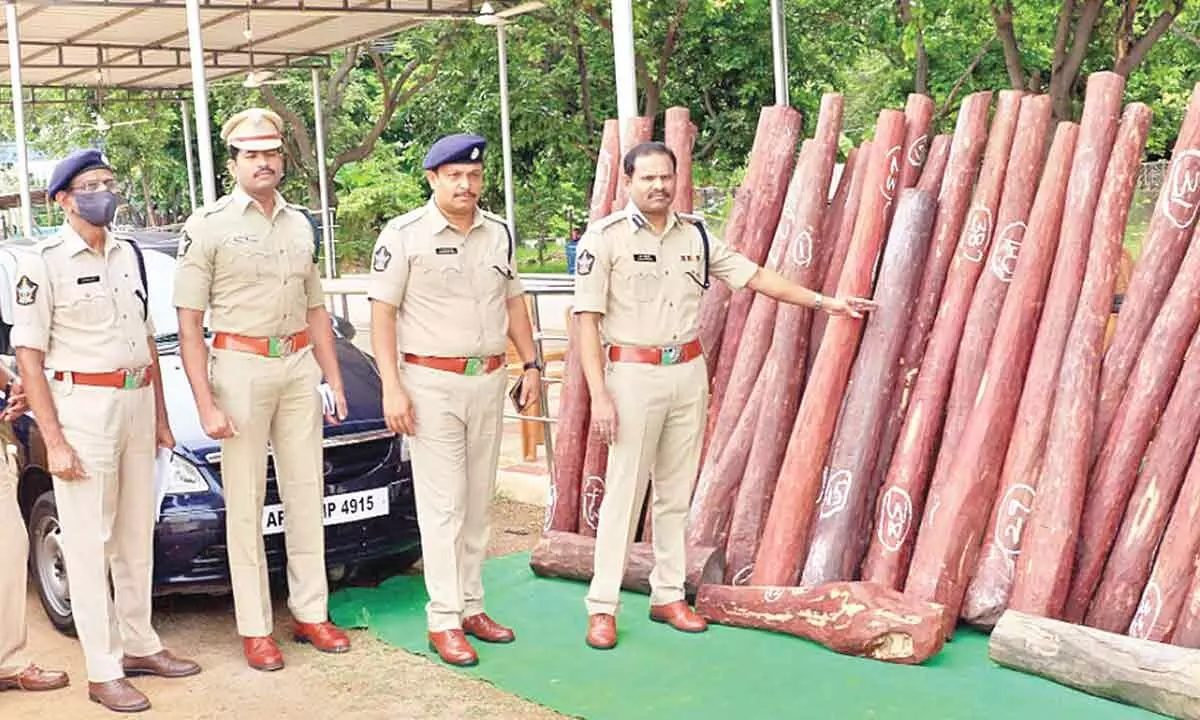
(88, 280)
(644, 257)
(447, 251)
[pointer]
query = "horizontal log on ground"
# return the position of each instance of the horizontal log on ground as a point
(571, 556)
(851, 618)
(1145, 674)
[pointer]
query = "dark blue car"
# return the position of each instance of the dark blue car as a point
(370, 512)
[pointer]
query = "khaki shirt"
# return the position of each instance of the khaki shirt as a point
(648, 286)
(257, 274)
(450, 290)
(83, 309)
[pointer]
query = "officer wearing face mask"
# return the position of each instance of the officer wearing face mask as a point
(85, 350)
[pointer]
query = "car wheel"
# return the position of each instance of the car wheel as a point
(372, 572)
(47, 564)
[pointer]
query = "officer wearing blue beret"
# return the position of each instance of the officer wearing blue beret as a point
(445, 298)
(85, 348)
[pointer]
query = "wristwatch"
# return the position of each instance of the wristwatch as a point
(820, 301)
(533, 365)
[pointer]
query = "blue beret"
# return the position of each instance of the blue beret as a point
(455, 148)
(77, 162)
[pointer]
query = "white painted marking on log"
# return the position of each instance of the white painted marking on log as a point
(1015, 507)
(1147, 612)
(551, 502)
(895, 518)
(888, 190)
(916, 153)
(1008, 248)
(593, 496)
(772, 594)
(976, 234)
(837, 492)
(800, 251)
(1181, 202)
(742, 577)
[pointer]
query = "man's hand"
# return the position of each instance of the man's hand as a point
(164, 436)
(848, 307)
(604, 417)
(340, 409)
(17, 402)
(64, 462)
(398, 412)
(217, 425)
(531, 388)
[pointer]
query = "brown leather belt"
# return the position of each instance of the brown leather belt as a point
(461, 365)
(123, 379)
(665, 355)
(266, 346)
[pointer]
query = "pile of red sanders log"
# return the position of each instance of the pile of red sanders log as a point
(987, 439)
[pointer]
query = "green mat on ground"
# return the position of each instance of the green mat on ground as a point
(656, 672)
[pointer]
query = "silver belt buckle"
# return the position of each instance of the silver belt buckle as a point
(670, 354)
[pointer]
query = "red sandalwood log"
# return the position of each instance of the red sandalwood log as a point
(1166, 591)
(966, 154)
(1020, 183)
(1044, 568)
(591, 487)
(1145, 396)
(918, 113)
(608, 170)
(1187, 629)
(834, 216)
(1022, 464)
(935, 165)
(637, 130)
(912, 461)
(570, 440)
(1162, 252)
(859, 619)
(771, 157)
(679, 134)
(847, 492)
(785, 537)
(1008, 363)
(1128, 566)
(571, 556)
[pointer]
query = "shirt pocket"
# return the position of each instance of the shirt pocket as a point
(439, 274)
(90, 304)
(492, 275)
(640, 283)
(247, 261)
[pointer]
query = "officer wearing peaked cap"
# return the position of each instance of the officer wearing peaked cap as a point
(85, 349)
(640, 275)
(444, 298)
(248, 259)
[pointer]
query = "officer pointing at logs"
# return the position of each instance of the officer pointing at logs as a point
(249, 259)
(640, 274)
(444, 299)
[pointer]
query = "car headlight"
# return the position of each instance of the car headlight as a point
(184, 478)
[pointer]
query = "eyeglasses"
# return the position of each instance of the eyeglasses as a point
(96, 186)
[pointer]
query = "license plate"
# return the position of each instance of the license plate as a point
(339, 509)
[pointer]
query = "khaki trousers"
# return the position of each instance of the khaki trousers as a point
(455, 453)
(660, 427)
(14, 552)
(272, 400)
(108, 521)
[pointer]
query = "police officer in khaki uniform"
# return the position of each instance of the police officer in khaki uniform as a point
(249, 260)
(81, 314)
(640, 274)
(16, 673)
(444, 297)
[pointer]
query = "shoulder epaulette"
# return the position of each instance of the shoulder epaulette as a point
(504, 224)
(46, 243)
(216, 206)
(690, 217)
(608, 221)
(407, 218)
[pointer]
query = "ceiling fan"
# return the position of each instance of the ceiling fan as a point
(256, 78)
(489, 16)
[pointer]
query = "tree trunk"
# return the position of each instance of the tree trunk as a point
(1157, 677)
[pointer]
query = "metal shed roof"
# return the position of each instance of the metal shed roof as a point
(144, 43)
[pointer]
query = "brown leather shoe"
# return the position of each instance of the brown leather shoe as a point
(602, 631)
(486, 629)
(35, 679)
(119, 696)
(324, 636)
(262, 653)
(453, 648)
(161, 663)
(679, 616)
